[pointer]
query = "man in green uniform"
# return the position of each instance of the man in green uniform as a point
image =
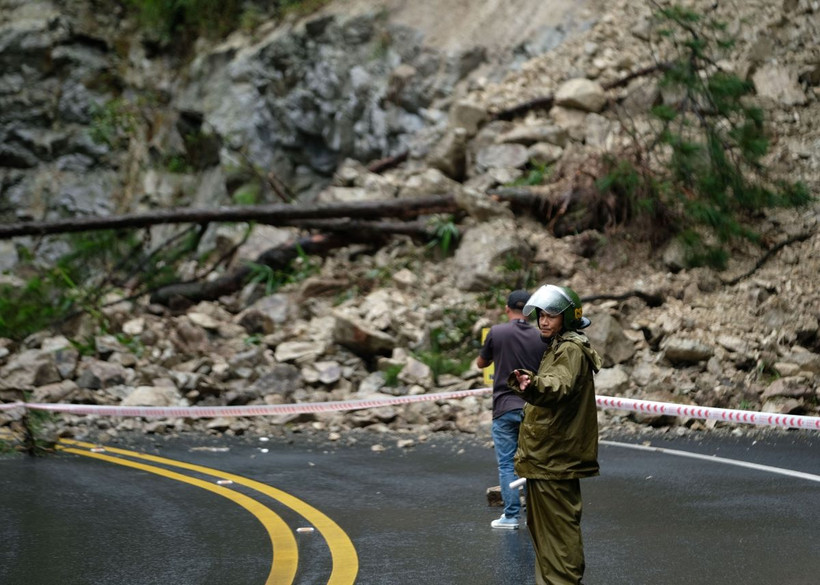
(558, 441)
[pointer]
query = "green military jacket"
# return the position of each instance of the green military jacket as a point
(559, 434)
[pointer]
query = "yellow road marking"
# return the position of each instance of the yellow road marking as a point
(345, 561)
(285, 551)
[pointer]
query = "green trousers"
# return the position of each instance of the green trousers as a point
(554, 521)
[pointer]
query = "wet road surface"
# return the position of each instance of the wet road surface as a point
(416, 515)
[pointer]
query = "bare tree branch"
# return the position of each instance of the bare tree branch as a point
(546, 102)
(769, 253)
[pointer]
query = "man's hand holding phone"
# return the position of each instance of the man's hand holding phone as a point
(523, 378)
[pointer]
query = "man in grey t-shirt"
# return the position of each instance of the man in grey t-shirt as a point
(512, 345)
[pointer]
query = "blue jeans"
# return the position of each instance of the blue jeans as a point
(505, 441)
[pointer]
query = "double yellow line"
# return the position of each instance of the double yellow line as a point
(345, 561)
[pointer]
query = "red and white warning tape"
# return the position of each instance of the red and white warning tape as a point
(788, 421)
(254, 410)
(606, 402)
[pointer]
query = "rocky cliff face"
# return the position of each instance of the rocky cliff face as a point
(94, 124)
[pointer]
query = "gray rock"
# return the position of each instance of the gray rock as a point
(611, 381)
(483, 252)
(359, 337)
(679, 350)
(468, 115)
(607, 336)
(779, 83)
(97, 374)
(298, 351)
(582, 94)
(508, 155)
(153, 396)
(790, 387)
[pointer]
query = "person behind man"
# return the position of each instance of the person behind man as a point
(510, 345)
(558, 443)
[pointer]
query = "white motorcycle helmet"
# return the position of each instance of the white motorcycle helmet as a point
(559, 300)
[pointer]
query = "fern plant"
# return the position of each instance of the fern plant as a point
(445, 233)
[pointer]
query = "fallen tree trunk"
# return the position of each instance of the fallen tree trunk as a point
(652, 300)
(275, 214)
(304, 216)
(571, 210)
(184, 294)
(417, 230)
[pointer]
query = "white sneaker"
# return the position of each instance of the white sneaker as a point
(504, 522)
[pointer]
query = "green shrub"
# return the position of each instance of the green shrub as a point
(97, 263)
(188, 19)
(29, 308)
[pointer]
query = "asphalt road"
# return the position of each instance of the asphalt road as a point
(397, 516)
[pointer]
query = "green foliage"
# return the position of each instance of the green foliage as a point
(301, 7)
(298, 270)
(452, 347)
(262, 273)
(30, 308)
(512, 263)
(6, 446)
(345, 295)
(380, 274)
(35, 442)
(180, 22)
(85, 347)
(133, 344)
(177, 163)
(54, 292)
(252, 17)
(253, 340)
(440, 364)
(96, 263)
(515, 274)
(745, 405)
(113, 123)
(247, 194)
(391, 375)
(188, 19)
(495, 297)
(703, 164)
(538, 174)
